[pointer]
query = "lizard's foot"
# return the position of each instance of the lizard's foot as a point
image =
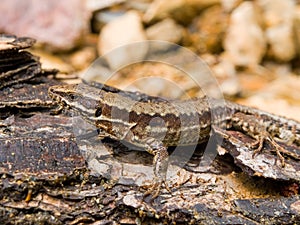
(155, 188)
(279, 150)
(57, 110)
(258, 146)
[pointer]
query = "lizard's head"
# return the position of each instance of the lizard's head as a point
(105, 107)
(81, 98)
(97, 105)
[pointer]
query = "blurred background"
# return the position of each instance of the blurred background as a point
(251, 47)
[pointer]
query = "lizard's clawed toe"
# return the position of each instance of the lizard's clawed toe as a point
(258, 147)
(155, 188)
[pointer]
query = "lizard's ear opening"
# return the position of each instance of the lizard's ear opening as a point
(98, 112)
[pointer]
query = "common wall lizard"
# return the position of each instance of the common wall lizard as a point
(154, 123)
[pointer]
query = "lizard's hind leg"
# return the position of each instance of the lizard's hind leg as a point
(258, 146)
(256, 127)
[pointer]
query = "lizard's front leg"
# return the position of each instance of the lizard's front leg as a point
(160, 162)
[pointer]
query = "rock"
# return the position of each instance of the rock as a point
(158, 86)
(231, 87)
(208, 29)
(59, 25)
(120, 33)
(180, 10)
(166, 30)
(50, 61)
(245, 43)
(95, 5)
(102, 17)
(277, 97)
(83, 58)
(229, 5)
(225, 71)
(278, 18)
(281, 43)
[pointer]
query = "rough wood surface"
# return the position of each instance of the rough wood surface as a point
(50, 176)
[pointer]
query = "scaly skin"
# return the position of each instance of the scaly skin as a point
(155, 123)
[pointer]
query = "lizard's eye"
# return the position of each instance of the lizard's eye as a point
(72, 97)
(98, 112)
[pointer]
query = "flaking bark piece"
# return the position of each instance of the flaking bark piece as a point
(17, 65)
(27, 96)
(265, 163)
(13, 43)
(273, 211)
(39, 147)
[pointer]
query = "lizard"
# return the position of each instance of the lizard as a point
(155, 123)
